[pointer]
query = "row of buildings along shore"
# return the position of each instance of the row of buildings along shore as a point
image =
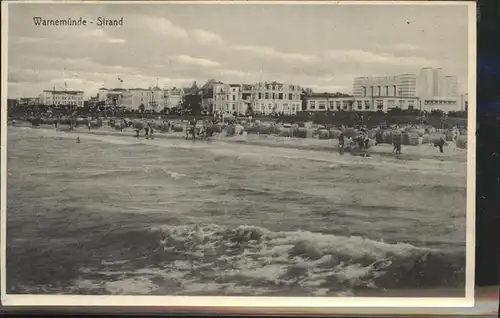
(429, 90)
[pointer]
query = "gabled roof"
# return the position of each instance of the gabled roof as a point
(210, 83)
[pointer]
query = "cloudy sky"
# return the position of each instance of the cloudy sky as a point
(318, 46)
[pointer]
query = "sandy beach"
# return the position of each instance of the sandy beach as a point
(422, 151)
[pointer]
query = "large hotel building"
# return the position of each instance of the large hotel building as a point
(431, 87)
(62, 97)
(403, 85)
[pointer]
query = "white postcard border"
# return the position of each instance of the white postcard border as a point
(194, 302)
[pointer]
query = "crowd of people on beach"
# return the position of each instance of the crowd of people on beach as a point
(355, 140)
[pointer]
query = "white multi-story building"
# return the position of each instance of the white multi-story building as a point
(65, 97)
(330, 102)
(433, 84)
(215, 97)
(464, 102)
(437, 82)
(146, 99)
(137, 99)
(450, 86)
(424, 83)
(431, 87)
(102, 94)
(157, 100)
(273, 98)
(403, 85)
(235, 103)
(173, 97)
(240, 98)
(111, 97)
(445, 104)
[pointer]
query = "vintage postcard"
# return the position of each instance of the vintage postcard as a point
(245, 153)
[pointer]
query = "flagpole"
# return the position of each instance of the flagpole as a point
(64, 79)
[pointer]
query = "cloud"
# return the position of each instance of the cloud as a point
(232, 73)
(194, 61)
(185, 43)
(205, 37)
(269, 52)
(27, 40)
(36, 72)
(164, 26)
(68, 65)
(13, 78)
(405, 47)
(64, 36)
(361, 56)
(100, 35)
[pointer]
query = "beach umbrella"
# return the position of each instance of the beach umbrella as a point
(461, 142)
(323, 134)
(351, 133)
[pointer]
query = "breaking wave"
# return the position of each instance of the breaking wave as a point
(247, 260)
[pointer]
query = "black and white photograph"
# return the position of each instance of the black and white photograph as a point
(238, 149)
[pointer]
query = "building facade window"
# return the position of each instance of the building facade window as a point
(380, 105)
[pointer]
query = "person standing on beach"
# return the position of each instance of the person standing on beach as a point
(193, 128)
(88, 124)
(441, 144)
(146, 130)
(397, 145)
(361, 143)
(341, 143)
(378, 138)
